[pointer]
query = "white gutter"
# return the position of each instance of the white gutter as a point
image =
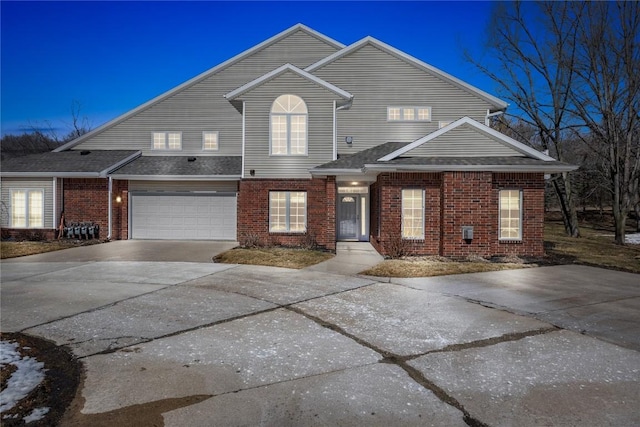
(486, 119)
(110, 206)
(176, 177)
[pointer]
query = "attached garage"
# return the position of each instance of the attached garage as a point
(183, 216)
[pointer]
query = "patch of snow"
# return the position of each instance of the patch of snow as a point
(26, 377)
(36, 415)
(633, 239)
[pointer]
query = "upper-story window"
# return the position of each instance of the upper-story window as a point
(289, 126)
(210, 141)
(167, 141)
(409, 114)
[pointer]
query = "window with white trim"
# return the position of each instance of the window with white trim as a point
(167, 141)
(210, 141)
(287, 211)
(409, 114)
(288, 126)
(413, 214)
(510, 202)
(27, 208)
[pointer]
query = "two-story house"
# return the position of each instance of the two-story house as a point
(300, 139)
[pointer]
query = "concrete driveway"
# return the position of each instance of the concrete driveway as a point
(207, 344)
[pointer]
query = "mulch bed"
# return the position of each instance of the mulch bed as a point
(62, 377)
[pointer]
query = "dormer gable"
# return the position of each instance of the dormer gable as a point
(237, 93)
(466, 138)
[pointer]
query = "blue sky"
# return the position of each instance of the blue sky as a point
(113, 56)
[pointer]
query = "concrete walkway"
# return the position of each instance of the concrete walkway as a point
(204, 344)
(351, 258)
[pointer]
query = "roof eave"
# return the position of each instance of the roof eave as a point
(61, 174)
(133, 177)
(473, 168)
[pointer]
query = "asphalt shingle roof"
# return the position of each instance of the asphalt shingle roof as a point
(359, 159)
(370, 157)
(72, 161)
(180, 165)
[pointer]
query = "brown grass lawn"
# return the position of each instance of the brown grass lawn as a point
(595, 247)
(274, 257)
(17, 249)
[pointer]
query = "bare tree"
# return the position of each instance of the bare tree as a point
(606, 97)
(534, 68)
(43, 137)
(79, 125)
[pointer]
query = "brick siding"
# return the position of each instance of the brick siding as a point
(454, 200)
(85, 200)
(253, 211)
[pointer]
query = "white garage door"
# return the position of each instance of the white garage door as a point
(183, 216)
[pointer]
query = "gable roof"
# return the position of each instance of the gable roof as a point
(499, 104)
(72, 163)
(281, 70)
(395, 157)
(200, 77)
(477, 127)
(177, 168)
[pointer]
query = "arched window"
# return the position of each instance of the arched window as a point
(289, 126)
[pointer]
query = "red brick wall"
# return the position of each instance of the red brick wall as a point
(389, 199)
(253, 211)
(86, 200)
(454, 200)
(532, 186)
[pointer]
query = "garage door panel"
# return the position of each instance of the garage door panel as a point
(188, 216)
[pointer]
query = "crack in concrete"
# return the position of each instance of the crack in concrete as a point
(222, 321)
(513, 336)
(401, 362)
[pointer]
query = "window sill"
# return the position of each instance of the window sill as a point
(510, 241)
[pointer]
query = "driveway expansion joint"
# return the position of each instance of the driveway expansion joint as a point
(399, 361)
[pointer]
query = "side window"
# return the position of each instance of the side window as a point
(167, 140)
(210, 141)
(27, 208)
(288, 126)
(413, 214)
(510, 202)
(409, 114)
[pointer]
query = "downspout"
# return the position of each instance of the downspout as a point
(489, 115)
(335, 135)
(243, 138)
(335, 125)
(55, 191)
(110, 202)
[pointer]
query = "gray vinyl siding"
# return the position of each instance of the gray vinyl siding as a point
(173, 186)
(379, 80)
(201, 107)
(9, 184)
(463, 141)
(258, 104)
